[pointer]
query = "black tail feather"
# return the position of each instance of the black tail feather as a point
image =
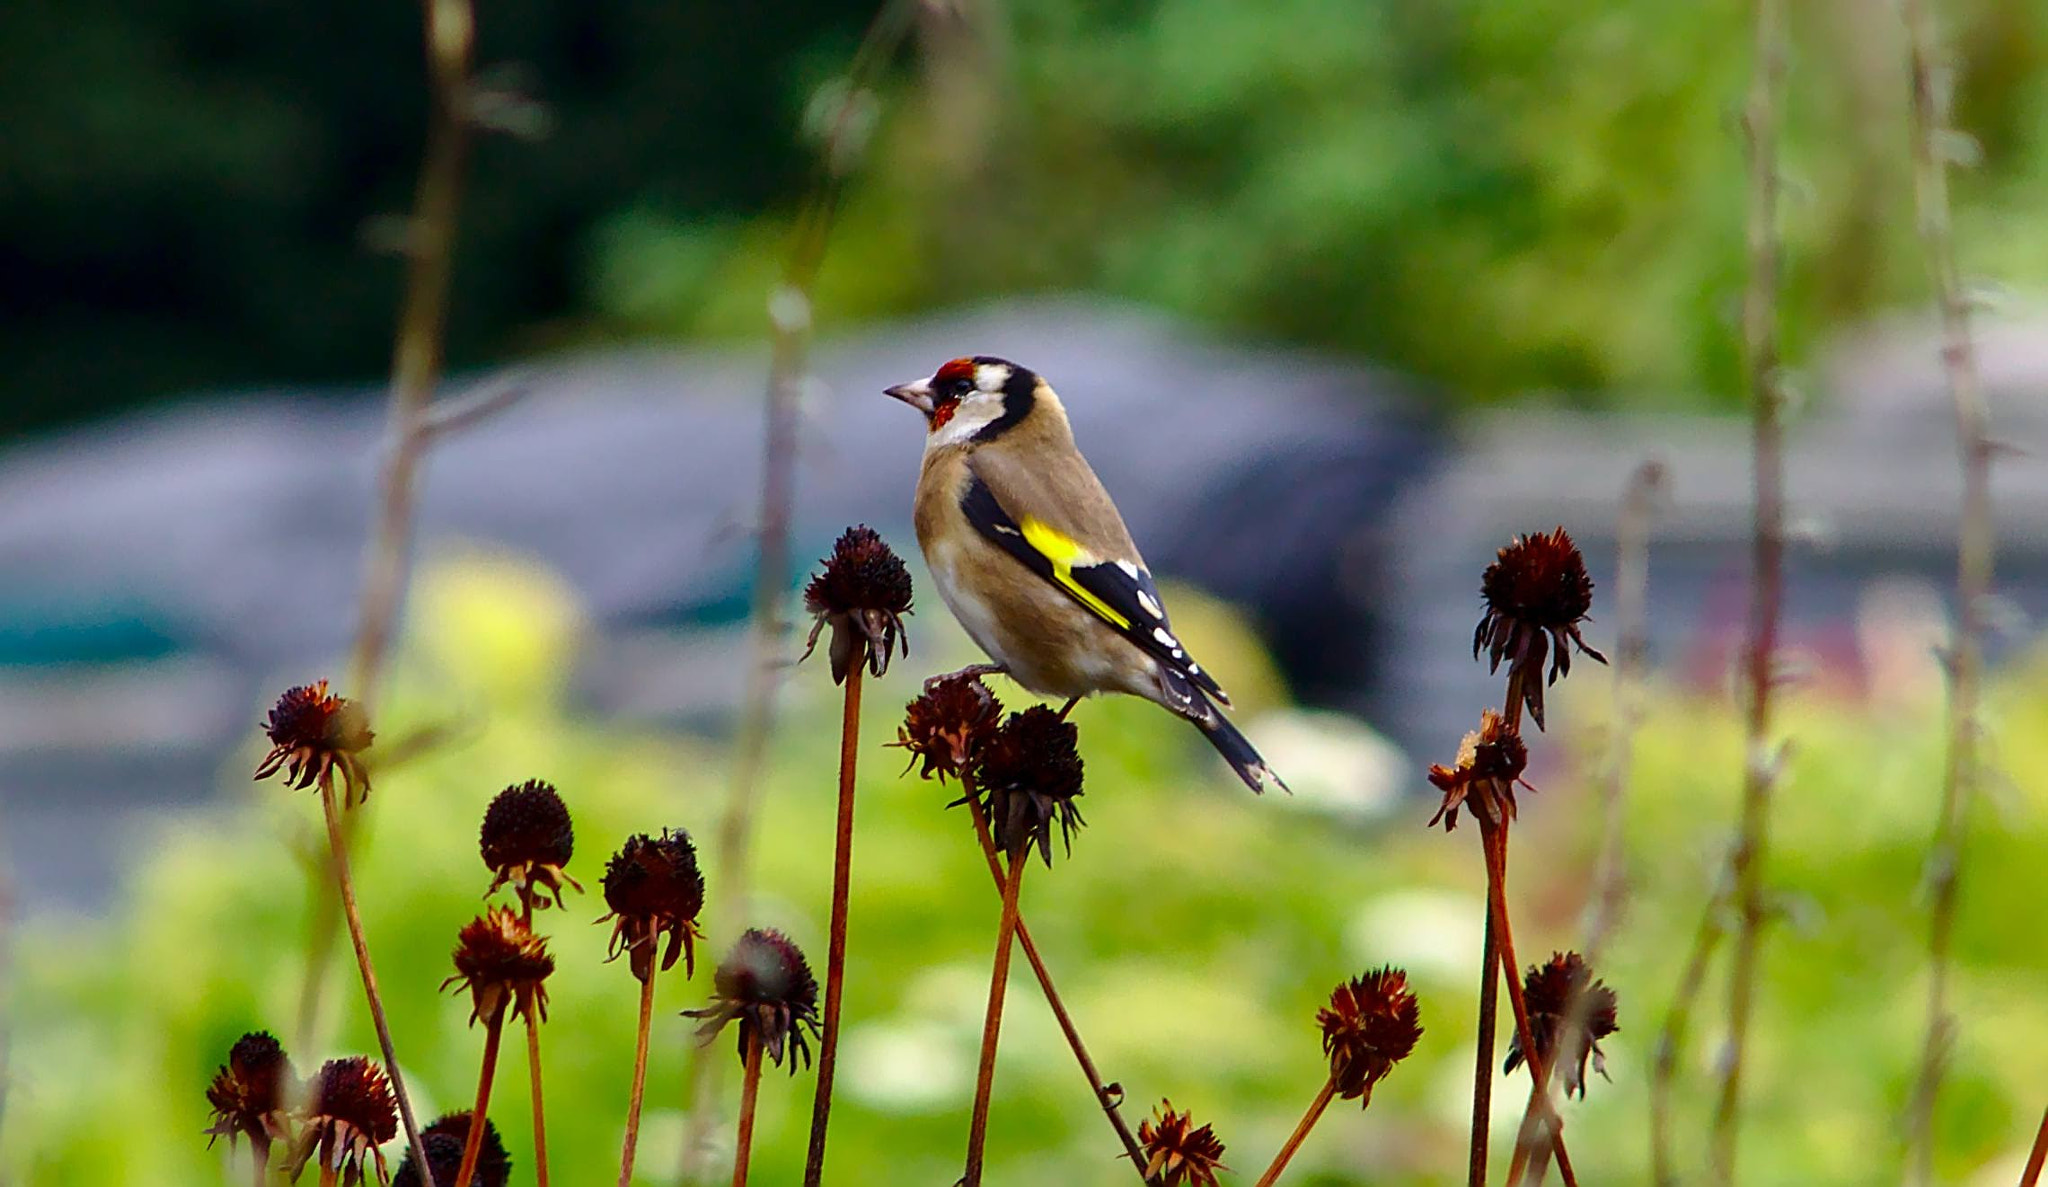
(1235, 748)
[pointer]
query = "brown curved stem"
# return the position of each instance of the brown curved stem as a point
(1494, 840)
(345, 881)
(750, 1087)
(494, 1029)
(540, 1123)
(2037, 1156)
(639, 1079)
(835, 967)
(992, 1023)
(1294, 1140)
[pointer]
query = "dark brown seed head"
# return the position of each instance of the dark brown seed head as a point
(948, 726)
(1029, 775)
(1370, 1025)
(1536, 594)
(764, 983)
(862, 593)
(249, 1094)
(1490, 763)
(1177, 1154)
(654, 888)
(1549, 990)
(313, 734)
(500, 961)
(443, 1141)
(526, 839)
(349, 1113)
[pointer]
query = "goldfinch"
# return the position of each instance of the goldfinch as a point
(1032, 557)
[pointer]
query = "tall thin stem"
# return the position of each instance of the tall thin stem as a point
(540, 1121)
(1494, 841)
(639, 1079)
(750, 1087)
(1103, 1096)
(1692, 981)
(1300, 1134)
(1482, 1043)
(487, 1071)
(835, 967)
(1760, 774)
(345, 881)
(1974, 565)
(260, 1152)
(992, 1022)
(2037, 1156)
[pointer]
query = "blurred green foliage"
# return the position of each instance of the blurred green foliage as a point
(1194, 930)
(1508, 196)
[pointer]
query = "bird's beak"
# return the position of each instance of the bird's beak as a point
(918, 395)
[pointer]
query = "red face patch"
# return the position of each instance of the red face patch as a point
(953, 372)
(941, 413)
(947, 384)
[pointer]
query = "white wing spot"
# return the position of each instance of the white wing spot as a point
(1130, 570)
(1150, 604)
(1165, 636)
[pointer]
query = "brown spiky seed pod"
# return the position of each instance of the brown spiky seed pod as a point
(862, 593)
(1370, 1025)
(654, 888)
(313, 734)
(249, 1093)
(1548, 990)
(1536, 593)
(1177, 1154)
(349, 1113)
(1489, 766)
(1029, 775)
(766, 984)
(947, 727)
(443, 1141)
(526, 839)
(500, 961)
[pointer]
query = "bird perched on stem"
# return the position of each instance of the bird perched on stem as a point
(1032, 557)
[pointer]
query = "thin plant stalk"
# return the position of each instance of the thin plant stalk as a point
(346, 884)
(1103, 1096)
(2038, 1156)
(1760, 767)
(1482, 1072)
(1300, 1134)
(1494, 841)
(639, 1079)
(750, 1087)
(487, 1071)
(1692, 981)
(1974, 566)
(835, 968)
(262, 1160)
(992, 1022)
(540, 1122)
(330, 1176)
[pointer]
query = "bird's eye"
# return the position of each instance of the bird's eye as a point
(959, 387)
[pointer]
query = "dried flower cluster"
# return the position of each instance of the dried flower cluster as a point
(1371, 1024)
(501, 961)
(765, 984)
(526, 839)
(862, 594)
(313, 734)
(1549, 989)
(349, 1114)
(1489, 765)
(1029, 775)
(249, 1095)
(444, 1140)
(654, 888)
(947, 727)
(1536, 593)
(1178, 1154)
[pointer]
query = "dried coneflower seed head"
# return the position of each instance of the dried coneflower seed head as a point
(862, 593)
(248, 1094)
(1029, 775)
(526, 839)
(501, 962)
(349, 1113)
(443, 1141)
(313, 734)
(1370, 1025)
(1548, 990)
(654, 888)
(1536, 593)
(1176, 1153)
(765, 984)
(946, 728)
(1489, 766)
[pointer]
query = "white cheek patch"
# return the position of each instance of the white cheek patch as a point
(974, 415)
(991, 378)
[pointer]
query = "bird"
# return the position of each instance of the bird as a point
(1032, 557)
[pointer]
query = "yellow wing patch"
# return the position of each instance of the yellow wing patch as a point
(1065, 552)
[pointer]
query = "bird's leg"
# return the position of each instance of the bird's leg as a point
(1068, 707)
(970, 671)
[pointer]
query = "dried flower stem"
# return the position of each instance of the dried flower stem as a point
(992, 1022)
(1974, 564)
(1760, 348)
(487, 1071)
(835, 960)
(1677, 1022)
(1300, 1134)
(750, 1087)
(1494, 842)
(2038, 1156)
(1482, 1073)
(346, 883)
(330, 1176)
(261, 1152)
(1103, 1095)
(639, 1079)
(540, 1123)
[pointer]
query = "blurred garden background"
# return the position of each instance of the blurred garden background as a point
(1341, 295)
